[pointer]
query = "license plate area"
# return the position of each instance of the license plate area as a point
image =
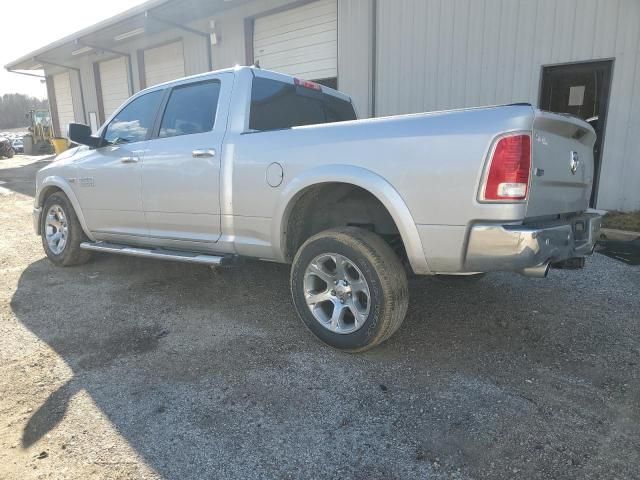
(580, 229)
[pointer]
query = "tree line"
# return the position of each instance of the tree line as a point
(14, 106)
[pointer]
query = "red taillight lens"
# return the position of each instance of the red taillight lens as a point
(307, 84)
(509, 170)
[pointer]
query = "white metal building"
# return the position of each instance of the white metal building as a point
(392, 56)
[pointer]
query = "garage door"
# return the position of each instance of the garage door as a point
(64, 101)
(302, 41)
(114, 84)
(164, 63)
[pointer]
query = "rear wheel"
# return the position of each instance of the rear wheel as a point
(61, 232)
(349, 288)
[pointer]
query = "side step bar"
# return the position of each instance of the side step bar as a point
(158, 253)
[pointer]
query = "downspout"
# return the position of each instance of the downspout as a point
(374, 54)
(25, 73)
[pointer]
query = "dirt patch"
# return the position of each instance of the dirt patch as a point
(126, 368)
(629, 221)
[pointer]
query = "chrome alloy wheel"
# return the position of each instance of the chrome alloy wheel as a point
(337, 293)
(56, 229)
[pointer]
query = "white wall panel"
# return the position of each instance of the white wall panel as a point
(355, 53)
(301, 41)
(64, 101)
(114, 83)
(164, 63)
(440, 54)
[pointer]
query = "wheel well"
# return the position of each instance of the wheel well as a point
(47, 192)
(330, 205)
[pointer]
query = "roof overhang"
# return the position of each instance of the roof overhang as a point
(112, 34)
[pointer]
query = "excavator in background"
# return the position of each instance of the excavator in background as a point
(38, 140)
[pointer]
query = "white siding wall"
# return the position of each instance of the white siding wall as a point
(164, 63)
(64, 100)
(114, 81)
(355, 53)
(439, 54)
(301, 41)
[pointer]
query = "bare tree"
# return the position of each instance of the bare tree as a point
(14, 106)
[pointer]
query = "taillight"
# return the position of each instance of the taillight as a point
(307, 84)
(509, 169)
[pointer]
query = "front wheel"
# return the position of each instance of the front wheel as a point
(349, 288)
(61, 232)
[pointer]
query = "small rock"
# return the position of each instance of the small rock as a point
(383, 387)
(42, 455)
(162, 334)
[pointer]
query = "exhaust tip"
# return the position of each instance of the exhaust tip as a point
(539, 271)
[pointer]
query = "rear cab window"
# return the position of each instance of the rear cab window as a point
(276, 105)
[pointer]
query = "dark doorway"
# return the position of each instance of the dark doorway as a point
(581, 89)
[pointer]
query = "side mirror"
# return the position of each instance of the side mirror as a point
(79, 133)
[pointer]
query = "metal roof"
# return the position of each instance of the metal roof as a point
(153, 16)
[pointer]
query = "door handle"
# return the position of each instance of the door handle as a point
(129, 159)
(203, 153)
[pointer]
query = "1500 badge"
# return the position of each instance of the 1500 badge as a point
(86, 182)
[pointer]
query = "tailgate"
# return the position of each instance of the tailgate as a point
(561, 163)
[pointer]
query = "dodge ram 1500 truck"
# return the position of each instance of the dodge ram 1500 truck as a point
(246, 162)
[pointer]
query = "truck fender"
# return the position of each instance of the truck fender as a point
(63, 184)
(360, 177)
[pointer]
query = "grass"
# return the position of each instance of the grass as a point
(629, 221)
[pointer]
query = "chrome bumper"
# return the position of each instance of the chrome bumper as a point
(520, 247)
(37, 211)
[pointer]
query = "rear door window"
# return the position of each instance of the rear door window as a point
(191, 109)
(277, 105)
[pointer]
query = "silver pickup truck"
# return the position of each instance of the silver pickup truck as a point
(251, 163)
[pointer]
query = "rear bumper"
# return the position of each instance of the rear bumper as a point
(520, 247)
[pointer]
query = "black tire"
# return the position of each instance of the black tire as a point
(71, 254)
(383, 272)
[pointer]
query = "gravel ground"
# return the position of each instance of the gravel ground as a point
(129, 368)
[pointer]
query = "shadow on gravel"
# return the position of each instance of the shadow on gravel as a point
(211, 374)
(625, 251)
(50, 414)
(21, 179)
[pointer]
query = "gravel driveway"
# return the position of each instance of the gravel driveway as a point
(130, 368)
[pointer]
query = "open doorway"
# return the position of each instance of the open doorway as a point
(581, 89)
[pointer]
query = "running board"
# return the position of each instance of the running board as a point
(157, 253)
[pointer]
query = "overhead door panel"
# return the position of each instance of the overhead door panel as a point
(302, 41)
(164, 63)
(114, 84)
(64, 101)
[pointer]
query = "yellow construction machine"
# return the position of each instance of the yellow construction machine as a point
(38, 140)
